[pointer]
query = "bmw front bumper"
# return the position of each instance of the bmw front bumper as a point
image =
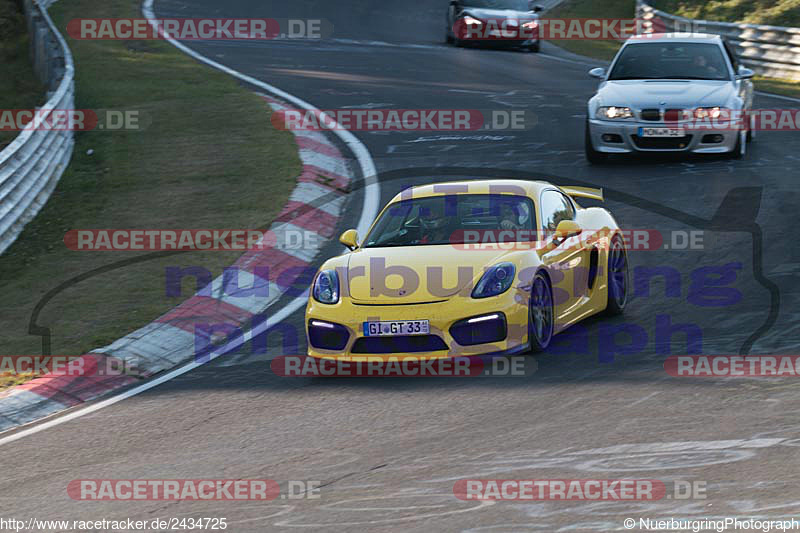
(622, 137)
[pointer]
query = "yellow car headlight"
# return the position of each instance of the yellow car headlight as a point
(495, 281)
(326, 287)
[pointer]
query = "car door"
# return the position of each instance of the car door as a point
(566, 260)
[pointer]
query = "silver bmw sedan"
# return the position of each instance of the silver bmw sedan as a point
(670, 93)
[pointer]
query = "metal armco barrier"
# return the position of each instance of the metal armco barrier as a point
(772, 51)
(32, 164)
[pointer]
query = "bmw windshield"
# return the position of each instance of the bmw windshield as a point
(665, 60)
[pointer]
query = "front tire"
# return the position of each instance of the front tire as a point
(740, 148)
(534, 47)
(618, 281)
(540, 313)
(593, 156)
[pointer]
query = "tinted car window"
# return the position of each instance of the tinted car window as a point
(555, 208)
(517, 5)
(453, 219)
(666, 60)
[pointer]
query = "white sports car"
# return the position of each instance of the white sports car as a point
(670, 93)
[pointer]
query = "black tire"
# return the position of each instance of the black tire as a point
(739, 149)
(617, 275)
(593, 156)
(540, 313)
(534, 47)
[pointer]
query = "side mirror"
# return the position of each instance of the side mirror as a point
(745, 74)
(536, 8)
(598, 73)
(350, 239)
(567, 228)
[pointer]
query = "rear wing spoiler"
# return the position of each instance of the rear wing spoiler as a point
(584, 192)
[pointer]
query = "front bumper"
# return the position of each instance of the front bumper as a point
(442, 315)
(502, 43)
(628, 141)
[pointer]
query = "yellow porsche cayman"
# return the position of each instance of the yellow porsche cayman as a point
(468, 268)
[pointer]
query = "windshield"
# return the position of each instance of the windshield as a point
(454, 219)
(516, 5)
(665, 60)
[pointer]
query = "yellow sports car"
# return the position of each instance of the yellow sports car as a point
(468, 268)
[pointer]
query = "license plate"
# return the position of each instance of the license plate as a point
(396, 327)
(661, 132)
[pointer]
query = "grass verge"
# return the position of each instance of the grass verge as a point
(772, 12)
(19, 87)
(597, 49)
(207, 158)
(606, 49)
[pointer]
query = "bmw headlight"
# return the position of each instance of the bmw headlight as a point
(708, 112)
(614, 112)
(326, 287)
(532, 25)
(472, 21)
(495, 281)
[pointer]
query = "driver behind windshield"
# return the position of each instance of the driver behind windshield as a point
(704, 68)
(436, 224)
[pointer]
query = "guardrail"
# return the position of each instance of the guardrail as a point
(32, 164)
(772, 51)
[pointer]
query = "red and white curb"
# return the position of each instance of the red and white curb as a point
(251, 285)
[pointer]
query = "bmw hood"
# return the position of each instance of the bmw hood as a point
(671, 94)
(415, 274)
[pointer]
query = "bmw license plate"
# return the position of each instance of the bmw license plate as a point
(396, 327)
(661, 132)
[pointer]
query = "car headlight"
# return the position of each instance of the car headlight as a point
(326, 287)
(532, 25)
(495, 281)
(614, 112)
(708, 112)
(472, 21)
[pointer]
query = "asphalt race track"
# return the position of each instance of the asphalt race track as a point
(387, 452)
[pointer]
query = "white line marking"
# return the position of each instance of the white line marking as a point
(640, 400)
(368, 213)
